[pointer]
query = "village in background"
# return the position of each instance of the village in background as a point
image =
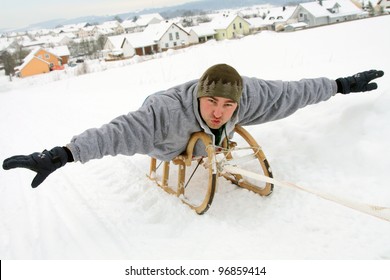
(34, 52)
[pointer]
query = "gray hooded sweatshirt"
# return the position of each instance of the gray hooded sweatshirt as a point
(162, 126)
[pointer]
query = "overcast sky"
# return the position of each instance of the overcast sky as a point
(21, 13)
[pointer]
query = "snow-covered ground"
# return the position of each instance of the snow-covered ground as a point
(108, 209)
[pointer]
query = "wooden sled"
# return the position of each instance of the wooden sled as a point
(212, 168)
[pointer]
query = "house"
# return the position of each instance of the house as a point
(257, 24)
(118, 47)
(326, 12)
(38, 61)
(130, 26)
(278, 17)
(71, 28)
(113, 25)
(167, 35)
(230, 26)
(128, 45)
(142, 44)
(87, 32)
(201, 33)
(65, 38)
(139, 23)
(62, 52)
(145, 20)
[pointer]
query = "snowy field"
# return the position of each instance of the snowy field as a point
(108, 209)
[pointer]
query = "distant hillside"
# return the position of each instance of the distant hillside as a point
(172, 11)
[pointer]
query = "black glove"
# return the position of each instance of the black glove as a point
(43, 163)
(358, 82)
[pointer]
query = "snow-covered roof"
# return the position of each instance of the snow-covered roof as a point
(140, 39)
(89, 28)
(315, 9)
(144, 20)
(136, 40)
(280, 13)
(116, 41)
(257, 22)
(203, 29)
(59, 51)
(110, 24)
(156, 31)
(129, 24)
(104, 30)
(72, 27)
(48, 39)
(223, 21)
(33, 43)
(345, 7)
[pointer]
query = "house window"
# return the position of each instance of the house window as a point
(47, 56)
(234, 26)
(240, 25)
(170, 37)
(174, 44)
(166, 45)
(177, 36)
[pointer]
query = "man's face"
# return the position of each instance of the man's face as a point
(216, 111)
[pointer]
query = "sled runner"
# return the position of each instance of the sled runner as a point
(231, 153)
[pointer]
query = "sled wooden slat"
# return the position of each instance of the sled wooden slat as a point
(186, 160)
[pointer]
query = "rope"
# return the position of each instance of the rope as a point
(372, 210)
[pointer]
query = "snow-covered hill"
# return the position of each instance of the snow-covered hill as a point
(108, 209)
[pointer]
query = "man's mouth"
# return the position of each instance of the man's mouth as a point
(215, 121)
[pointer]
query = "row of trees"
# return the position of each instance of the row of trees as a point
(87, 48)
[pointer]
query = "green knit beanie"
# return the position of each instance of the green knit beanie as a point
(221, 80)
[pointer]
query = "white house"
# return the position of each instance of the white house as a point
(326, 12)
(87, 32)
(130, 26)
(71, 28)
(278, 17)
(142, 44)
(201, 33)
(257, 24)
(118, 47)
(144, 20)
(114, 25)
(167, 35)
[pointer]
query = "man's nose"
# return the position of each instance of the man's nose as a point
(218, 112)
